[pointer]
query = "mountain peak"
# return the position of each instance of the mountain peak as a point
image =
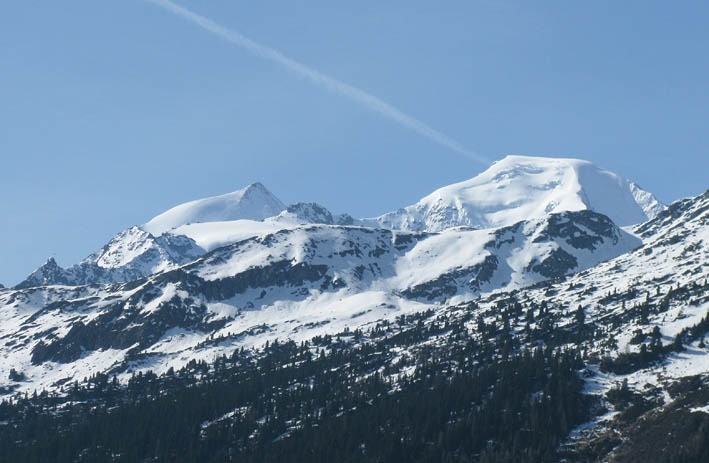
(255, 186)
(48, 273)
(254, 202)
(521, 158)
(518, 188)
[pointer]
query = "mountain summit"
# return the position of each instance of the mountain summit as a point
(254, 202)
(519, 188)
(511, 190)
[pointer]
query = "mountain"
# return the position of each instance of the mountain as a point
(254, 202)
(648, 364)
(231, 274)
(293, 283)
(558, 337)
(487, 344)
(518, 188)
(130, 255)
(304, 213)
(165, 241)
(311, 213)
(512, 190)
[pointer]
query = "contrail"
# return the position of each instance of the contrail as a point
(348, 91)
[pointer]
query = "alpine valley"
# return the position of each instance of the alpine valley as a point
(545, 310)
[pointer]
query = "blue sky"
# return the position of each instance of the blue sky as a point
(113, 111)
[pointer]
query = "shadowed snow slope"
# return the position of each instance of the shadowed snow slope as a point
(254, 202)
(519, 188)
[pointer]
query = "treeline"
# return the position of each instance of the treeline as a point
(352, 397)
(466, 384)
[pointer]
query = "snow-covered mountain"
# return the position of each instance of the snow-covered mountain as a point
(131, 254)
(518, 188)
(512, 190)
(293, 283)
(254, 202)
(216, 277)
(529, 254)
(166, 241)
(633, 326)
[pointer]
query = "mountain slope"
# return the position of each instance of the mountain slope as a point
(648, 317)
(294, 283)
(519, 188)
(607, 364)
(572, 338)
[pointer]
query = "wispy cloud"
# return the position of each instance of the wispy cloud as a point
(350, 92)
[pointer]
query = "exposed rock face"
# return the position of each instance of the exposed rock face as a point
(308, 213)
